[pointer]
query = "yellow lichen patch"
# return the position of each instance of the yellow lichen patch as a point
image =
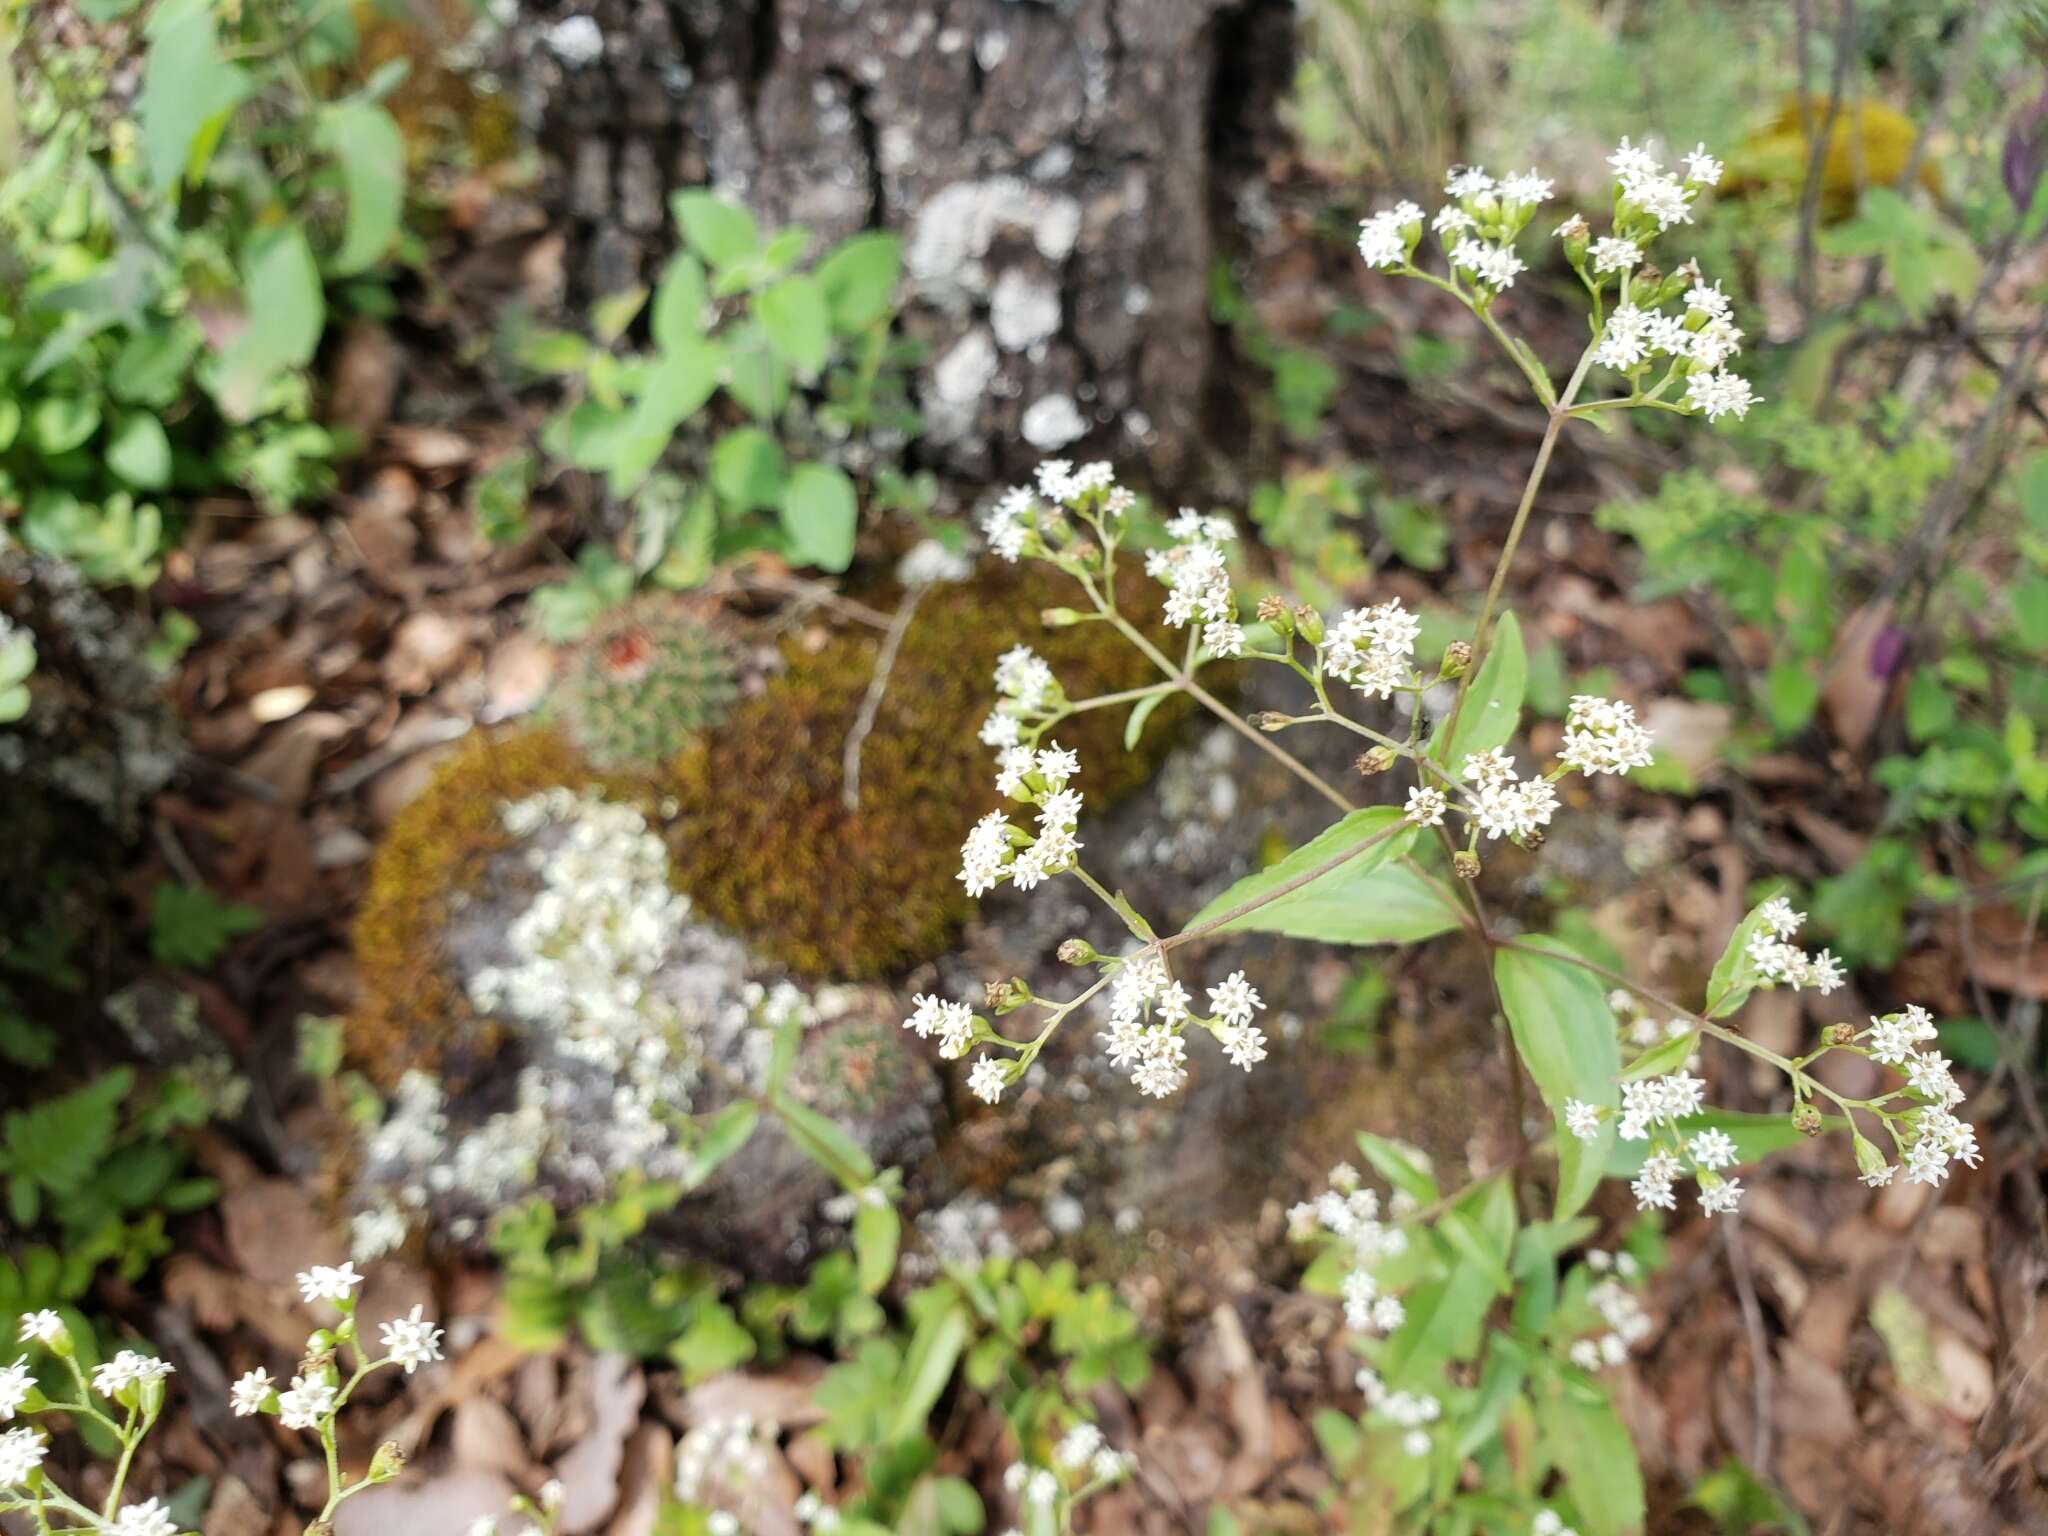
(763, 839)
(436, 847)
(1866, 147)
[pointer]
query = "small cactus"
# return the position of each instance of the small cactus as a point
(640, 685)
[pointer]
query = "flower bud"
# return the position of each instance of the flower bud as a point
(1273, 610)
(1838, 1034)
(1007, 996)
(1270, 720)
(1309, 623)
(1869, 1159)
(1576, 234)
(1806, 1120)
(387, 1463)
(1060, 618)
(1077, 952)
(1646, 283)
(1373, 760)
(1466, 864)
(1457, 657)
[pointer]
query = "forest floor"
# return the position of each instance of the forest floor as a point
(1880, 1355)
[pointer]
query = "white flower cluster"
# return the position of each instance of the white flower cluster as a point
(313, 1396)
(128, 1369)
(1665, 198)
(1620, 1309)
(1373, 649)
(1082, 1450)
(1196, 575)
(1601, 736)
(1778, 959)
(1935, 1138)
(1407, 1411)
(952, 1023)
(1024, 522)
(1350, 1213)
(721, 1454)
(1503, 803)
(1549, 1523)
(21, 1453)
(149, 1518)
(1478, 227)
(1149, 1012)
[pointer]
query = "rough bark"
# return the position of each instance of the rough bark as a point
(1055, 169)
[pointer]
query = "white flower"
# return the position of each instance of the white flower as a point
(1631, 163)
(953, 1023)
(1056, 765)
(1528, 188)
(1494, 265)
(250, 1392)
(1723, 1195)
(148, 1518)
(984, 854)
(1383, 238)
(309, 1400)
(128, 1369)
(1665, 198)
(1452, 220)
(1880, 1176)
(483, 1525)
(44, 1327)
(1223, 637)
(326, 1282)
(1712, 1148)
(1613, 254)
(1077, 1446)
(1041, 1487)
(987, 1079)
(377, 1231)
(1702, 167)
(1514, 810)
(411, 1341)
(21, 1452)
(1244, 1044)
(721, 1522)
(15, 1386)
(1425, 807)
(1602, 736)
(1585, 1354)
(1719, 394)
(1652, 1187)
(1467, 181)
(1582, 1119)
(1488, 769)
(1624, 342)
(1234, 1000)
(930, 561)
(1777, 915)
(1416, 1442)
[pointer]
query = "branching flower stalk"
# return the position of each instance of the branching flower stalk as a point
(1669, 340)
(125, 1396)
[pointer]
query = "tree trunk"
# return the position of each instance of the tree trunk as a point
(1056, 170)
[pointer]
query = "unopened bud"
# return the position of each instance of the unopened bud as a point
(1373, 760)
(1309, 623)
(1576, 234)
(1060, 618)
(1457, 657)
(1270, 720)
(1077, 952)
(387, 1463)
(1466, 864)
(1007, 996)
(1838, 1034)
(1806, 1120)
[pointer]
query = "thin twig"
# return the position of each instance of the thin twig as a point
(1816, 156)
(871, 701)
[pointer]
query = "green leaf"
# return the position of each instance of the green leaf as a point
(726, 1132)
(794, 317)
(820, 515)
(1564, 1032)
(859, 277)
(674, 388)
(188, 91)
(1365, 900)
(1141, 711)
(190, 926)
(1598, 1460)
(139, 453)
(1493, 704)
(679, 300)
(610, 315)
(1665, 1057)
(877, 1230)
(1755, 1136)
(1735, 974)
(56, 1144)
(285, 310)
(928, 1365)
(61, 423)
(566, 609)
(715, 1341)
(365, 142)
(825, 1142)
(1790, 695)
(755, 374)
(747, 469)
(1400, 1165)
(719, 231)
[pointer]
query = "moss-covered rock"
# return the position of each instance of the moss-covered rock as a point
(763, 837)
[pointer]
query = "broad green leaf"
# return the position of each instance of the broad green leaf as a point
(610, 315)
(1337, 1433)
(1372, 836)
(1564, 1032)
(716, 1341)
(1735, 974)
(719, 231)
(1593, 1451)
(747, 469)
(877, 1229)
(139, 453)
(1493, 704)
(1400, 1165)
(820, 515)
(365, 142)
(188, 91)
(1663, 1058)
(928, 1365)
(859, 277)
(726, 1132)
(825, 1142)
(190, 926)
(797, 323)
(679, 300)
(755, 374)
(60, 423)
(286, 309)
(674, 388)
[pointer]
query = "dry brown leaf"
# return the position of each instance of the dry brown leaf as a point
(589, 1472)
(273, 1231)
(486, 1438)
(1853, 698)
(643, 1481)
(443, 1503)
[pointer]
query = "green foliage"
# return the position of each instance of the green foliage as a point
(1301, 383)
(178, 270)
(640, 684)
(1319, 525)
(767, 383)
(17, 662)
(190, 926)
